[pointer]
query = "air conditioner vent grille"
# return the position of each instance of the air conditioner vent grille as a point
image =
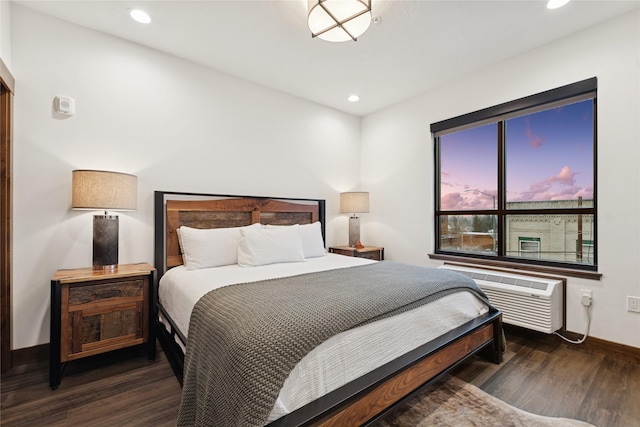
(513, 281)
(492, 278)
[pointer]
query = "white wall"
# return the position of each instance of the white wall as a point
(175, 125)
(397, 161)
(5, 33)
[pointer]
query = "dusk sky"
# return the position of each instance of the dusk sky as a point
(549, 157)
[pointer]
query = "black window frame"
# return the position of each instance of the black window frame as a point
(582, 90)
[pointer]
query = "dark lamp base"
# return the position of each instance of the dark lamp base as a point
(105, 242)
(354, 231)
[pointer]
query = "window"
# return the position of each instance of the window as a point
(529, 247)
(516, 182)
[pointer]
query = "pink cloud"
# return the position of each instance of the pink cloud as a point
(477, 200)
(534, 140)
(468, 201)
(565, 177)
(556, 187)
(451, 201)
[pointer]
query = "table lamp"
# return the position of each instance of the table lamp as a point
(354, 202)
(107, 191)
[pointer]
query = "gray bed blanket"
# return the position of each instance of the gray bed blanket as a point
(245, 339)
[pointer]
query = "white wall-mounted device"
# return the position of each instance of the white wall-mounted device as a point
(529, 302)
(64, 105)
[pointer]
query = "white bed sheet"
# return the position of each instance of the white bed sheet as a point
(345, 356)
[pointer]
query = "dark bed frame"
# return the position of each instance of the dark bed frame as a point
(359, 402)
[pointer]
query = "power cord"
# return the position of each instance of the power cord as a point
(586, 332)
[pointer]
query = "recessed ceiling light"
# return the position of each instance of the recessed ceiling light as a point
(554, 4)
(353, 98)
(140, 16)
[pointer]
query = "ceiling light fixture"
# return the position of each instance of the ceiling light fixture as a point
(339, 20)
(554, 4)
(353, 98)
(140, 16)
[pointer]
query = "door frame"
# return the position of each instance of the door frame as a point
(7, 87)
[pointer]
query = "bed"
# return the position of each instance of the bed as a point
(367, 381)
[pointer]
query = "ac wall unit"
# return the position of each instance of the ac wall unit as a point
(529, 302)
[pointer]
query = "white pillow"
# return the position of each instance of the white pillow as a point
(312, 242)
(262, 246)
(311, 235)
(212, 247)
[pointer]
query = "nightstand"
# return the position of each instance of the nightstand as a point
(369, 252)
(95, 311)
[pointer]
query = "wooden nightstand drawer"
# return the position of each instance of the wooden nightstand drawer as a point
(370, 255)
(102, 326)
(102, 291)
(102, 315)
(120, 322)
(369, 252)
(95, 311)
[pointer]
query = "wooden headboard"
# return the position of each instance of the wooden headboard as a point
(173, 210)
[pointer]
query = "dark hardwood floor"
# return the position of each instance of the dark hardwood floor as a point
(544, 375)
(540, 374)
(120, 388)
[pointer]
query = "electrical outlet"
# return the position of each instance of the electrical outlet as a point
(587, 296)
(633, 304)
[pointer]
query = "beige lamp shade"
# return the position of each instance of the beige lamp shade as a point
(103, 190)
(354, 202)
